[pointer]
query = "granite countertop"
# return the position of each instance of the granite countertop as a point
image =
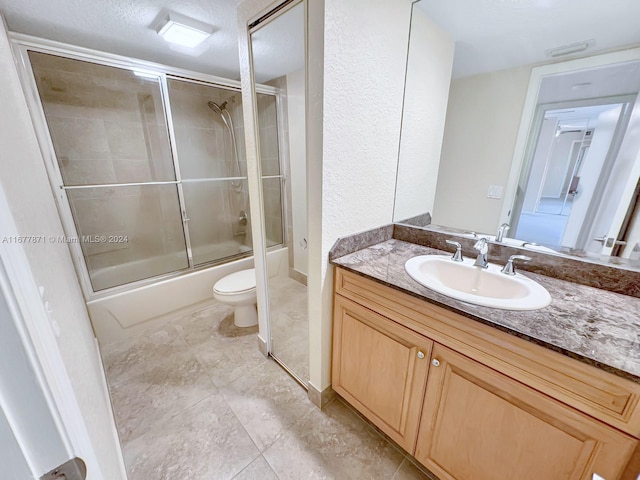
(595, 326)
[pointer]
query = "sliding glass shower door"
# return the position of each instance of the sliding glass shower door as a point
(153, 168)
(209, 139)
(110, 136)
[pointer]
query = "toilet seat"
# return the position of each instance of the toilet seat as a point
(235, 283)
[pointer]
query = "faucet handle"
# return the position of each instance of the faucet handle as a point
(457, 257)
(509, 269)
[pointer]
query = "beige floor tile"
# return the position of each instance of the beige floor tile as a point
(226, 351)
(267, 401)
(160, 392)
(259, 469)
(214, 323)
(205, 442)
(227, 362)
(129, 358)
(332, 444)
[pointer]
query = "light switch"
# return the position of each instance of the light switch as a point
(495, 191)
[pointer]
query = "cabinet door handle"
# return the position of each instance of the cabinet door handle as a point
(420, 354)
(435, 362)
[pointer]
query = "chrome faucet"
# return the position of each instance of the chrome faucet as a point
(457, 257)
(509, 269)
(482, 248)
(502, 229)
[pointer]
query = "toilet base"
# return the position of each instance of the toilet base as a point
(245, 315)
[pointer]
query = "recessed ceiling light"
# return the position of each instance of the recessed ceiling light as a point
(184, 31)
(569, 49)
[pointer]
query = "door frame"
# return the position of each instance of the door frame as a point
(36, 326)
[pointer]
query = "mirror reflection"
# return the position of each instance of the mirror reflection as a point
(541, 132)
(278, 60)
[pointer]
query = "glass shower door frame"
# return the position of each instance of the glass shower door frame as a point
(21, 45)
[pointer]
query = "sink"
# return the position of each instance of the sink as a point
(488, 287)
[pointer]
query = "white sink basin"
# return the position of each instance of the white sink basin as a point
(488, 287)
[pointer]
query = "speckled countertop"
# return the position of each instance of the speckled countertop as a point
(595, 326)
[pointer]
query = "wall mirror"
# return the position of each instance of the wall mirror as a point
(542, 127)
(276, 47)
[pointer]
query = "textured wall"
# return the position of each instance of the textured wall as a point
(365, 52)
(425, 108)
(482, 124)
(24, 180)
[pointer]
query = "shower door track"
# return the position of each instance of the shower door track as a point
(293, 374)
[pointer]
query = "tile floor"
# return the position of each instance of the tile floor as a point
(196, 400)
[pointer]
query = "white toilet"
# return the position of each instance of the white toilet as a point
(238, 289)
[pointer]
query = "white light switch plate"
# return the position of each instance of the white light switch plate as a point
(495, 191)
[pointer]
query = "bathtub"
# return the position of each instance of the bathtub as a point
(136, 311)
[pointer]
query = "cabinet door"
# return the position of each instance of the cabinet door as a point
(478, 424)
(381, 369)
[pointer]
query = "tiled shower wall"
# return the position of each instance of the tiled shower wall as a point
(269, 153)
(206, 151)
(108, 126)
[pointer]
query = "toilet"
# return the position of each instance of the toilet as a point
(238, 289)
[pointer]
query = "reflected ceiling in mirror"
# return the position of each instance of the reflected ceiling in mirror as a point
(278, 46)
(507, 95)
(496, 35)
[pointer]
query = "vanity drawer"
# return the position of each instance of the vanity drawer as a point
(603, 395)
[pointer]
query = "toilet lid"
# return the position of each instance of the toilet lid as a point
(237, 282)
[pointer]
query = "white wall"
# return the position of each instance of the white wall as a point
(425, 106)
(24, 180)
(297, 167)
(482, 123)
(365, 46)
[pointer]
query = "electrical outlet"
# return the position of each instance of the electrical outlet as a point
(495, 191)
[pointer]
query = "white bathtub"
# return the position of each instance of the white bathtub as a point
(130, 313)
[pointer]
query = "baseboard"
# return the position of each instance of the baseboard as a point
(298, 276)
(262, 346)
(320, 398)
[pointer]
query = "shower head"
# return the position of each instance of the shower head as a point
(221, 110)
(217, 108)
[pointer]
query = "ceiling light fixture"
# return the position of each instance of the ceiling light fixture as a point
(184, 31)
(569, 49)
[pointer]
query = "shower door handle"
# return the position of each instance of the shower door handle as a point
(184, 217)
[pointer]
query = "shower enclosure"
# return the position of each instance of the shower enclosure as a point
(150, 168)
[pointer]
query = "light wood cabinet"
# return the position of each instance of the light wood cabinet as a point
(382, 370)
(478, 424)
(473, 403)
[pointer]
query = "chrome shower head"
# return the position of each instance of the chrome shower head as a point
(215, 107)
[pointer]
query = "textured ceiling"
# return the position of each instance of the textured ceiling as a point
(127, 27)
(497, 34)
(490, 34)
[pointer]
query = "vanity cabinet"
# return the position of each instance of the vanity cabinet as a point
(382, 371)
(471, 402)
(479, 424)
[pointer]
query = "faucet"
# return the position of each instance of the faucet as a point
(502, 229)
(457, 257)
(482, 248)
(509, 269)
